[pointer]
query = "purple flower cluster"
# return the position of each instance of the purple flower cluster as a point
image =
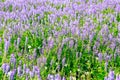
(55, 77)
(21, 71)
(111, 76)
(6, 68)
(12, 74)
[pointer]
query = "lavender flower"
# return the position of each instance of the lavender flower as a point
(7, 43)
(117, 8)
(12, 74)
(27, 78)
(57, 77)
(106, 78)
(71, 43)
(73, 30)
(59, 53)
(100, 57)
(3, 67)
(63, 78)
(0, 40)
(27, 71)
(13, 60)
(6, 68)
(107, 58)
(50, 77)
(36, 70)
(31, 73)
(19, 71)
(111, 75)
(118, 77)
(50, 42)
(41, 61)
(39, 77)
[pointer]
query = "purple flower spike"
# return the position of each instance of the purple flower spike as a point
(50, 42)
(7, 43)
(57, 77)
(19, 71)
(50, 77)
(27, 71)
(100, 57)
(39, 77)
(27, 78)
(12, 74)
(13, 60)
(63, 78)
(118, 77)
(5, 68)
(36, 70)
(71, 43)
(111, 75)
(0, 40)
(31, 73)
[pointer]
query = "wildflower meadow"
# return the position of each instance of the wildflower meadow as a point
(59, 39)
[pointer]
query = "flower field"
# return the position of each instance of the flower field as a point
(59, 39)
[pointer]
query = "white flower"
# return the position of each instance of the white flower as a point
(29, 46)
